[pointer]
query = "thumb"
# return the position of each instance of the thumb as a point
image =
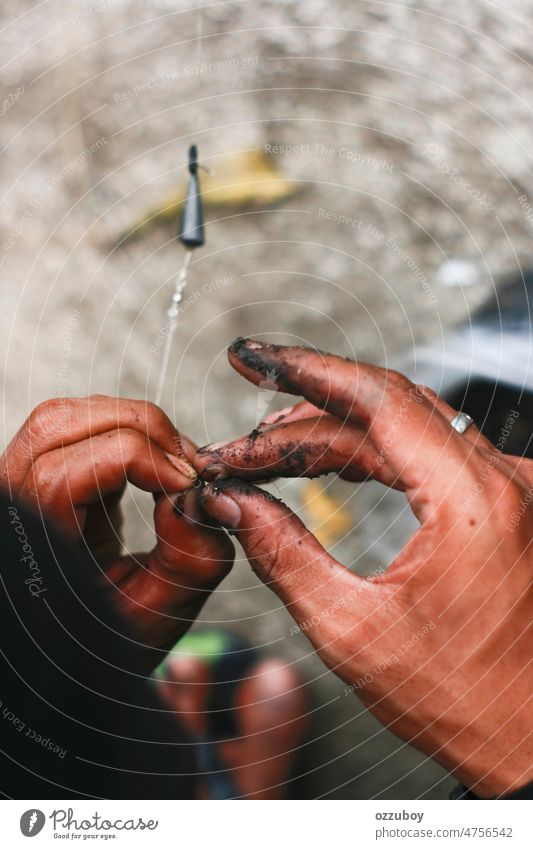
(188, 544)
(284, 554)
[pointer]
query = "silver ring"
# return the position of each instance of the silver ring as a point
(461, 422)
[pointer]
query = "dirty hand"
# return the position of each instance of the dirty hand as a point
(438, 646)
(72, 460)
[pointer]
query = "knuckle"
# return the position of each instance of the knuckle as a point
(41, 414)
(427, 391)
(154, 415)
(42, 480)
(397, 380)
(265, 550)
(158, 425)
(152, 410)
(130, 440)
(50, 418)
(258, 544)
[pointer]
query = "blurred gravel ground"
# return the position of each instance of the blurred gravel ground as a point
(100, 101)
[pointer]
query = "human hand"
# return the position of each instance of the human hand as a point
(438, 646)
(72, 460)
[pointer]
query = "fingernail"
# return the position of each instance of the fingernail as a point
(182, 466)
(237, 343)
(273, 418)
(216, 471)
(213, 446)
(187, 506)
(223, 509)
(255, 355)
(242, 342)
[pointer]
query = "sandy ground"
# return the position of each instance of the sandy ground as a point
(407, 134)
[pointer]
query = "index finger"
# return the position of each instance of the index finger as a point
(307, 448)
(65, 421)
(409, 433)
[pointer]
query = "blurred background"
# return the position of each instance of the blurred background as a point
(370, 182)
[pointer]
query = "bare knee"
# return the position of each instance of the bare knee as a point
(272, 695)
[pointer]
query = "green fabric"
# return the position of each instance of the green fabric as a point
(208, 645)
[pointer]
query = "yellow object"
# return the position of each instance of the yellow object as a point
(325, 515)
(246, 180)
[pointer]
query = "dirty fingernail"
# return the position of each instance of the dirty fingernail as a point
(216, 471)
(249, 342)
(273, 418)
(213, 446)
(242, 342)
(182, 466)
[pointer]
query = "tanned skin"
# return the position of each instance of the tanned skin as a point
(461, 692)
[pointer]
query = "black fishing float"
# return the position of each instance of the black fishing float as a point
(191, 234)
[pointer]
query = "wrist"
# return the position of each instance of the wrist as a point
(502, 763)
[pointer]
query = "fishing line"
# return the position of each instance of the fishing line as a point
(191, 233)
(172, 326)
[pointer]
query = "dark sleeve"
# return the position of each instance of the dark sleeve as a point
(77, 719)
(462, 792)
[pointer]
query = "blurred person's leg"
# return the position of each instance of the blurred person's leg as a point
(187, 691)
(247, 712)
(271, 715)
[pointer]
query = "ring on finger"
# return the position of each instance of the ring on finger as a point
(461, 422)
